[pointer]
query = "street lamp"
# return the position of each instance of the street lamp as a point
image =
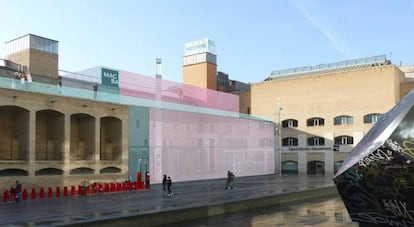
(140, 162)
(146, 164)
(279, 136)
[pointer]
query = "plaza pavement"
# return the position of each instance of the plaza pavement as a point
(192, 199)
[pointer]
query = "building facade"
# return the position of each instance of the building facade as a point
(323, 111)
(109, 125)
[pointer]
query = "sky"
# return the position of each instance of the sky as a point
(252, 37)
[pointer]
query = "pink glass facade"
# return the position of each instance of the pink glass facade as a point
(193, 146)
(137, 85)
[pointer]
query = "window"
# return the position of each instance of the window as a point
(290, 123)
(316, 121)
(372, 118)
(290, 142)
(343, 120)
(344, 140)
(316, 141)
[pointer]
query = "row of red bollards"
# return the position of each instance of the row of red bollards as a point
(91, 189)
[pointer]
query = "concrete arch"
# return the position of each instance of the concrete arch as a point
(48, 171)
(81, 171)
(316, 167)
(13, 172)
(82, 137)
(337, 165)
(110, 169)
(290, 167)
(111, 139)
(50, 135)
(14, 127)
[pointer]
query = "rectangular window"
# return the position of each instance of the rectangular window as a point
(291, 142)
(316, 141)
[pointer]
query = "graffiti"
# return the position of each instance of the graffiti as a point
(380, 219)
(392, 145)
(398, 208)
(384, 190)
(408, 148)
(375, 156)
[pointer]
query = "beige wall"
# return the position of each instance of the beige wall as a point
(245, 102)
(355, 93)
(202, 75)
(38, 150)
(39, 62)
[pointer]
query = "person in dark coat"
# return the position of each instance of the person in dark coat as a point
(164, 183)
(169, 184)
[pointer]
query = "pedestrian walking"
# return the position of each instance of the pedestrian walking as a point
(228, 180)
(164, 183)
(169, 185)
(18, 191)
(95, 90)
(232, 180)
(85, 185)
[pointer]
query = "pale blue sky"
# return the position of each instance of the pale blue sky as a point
(253, 37)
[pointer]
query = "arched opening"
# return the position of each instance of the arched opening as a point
(111, 139)
(81, 171)
(290, 167)
(110, 170)
(82, 137)
(50, 133)
(316, 167)
(14, 128)
(337, 165)
(13, 172)
(48, 171)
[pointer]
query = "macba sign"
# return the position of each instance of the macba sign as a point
(110, 77)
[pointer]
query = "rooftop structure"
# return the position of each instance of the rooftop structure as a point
(340, 66)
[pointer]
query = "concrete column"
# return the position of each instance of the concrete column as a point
(329, 155)
(66, 145)
(329, 162)
(32, 143)
(125, 142)
(302, 162)
(97, 139)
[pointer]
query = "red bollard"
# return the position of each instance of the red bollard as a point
(50, 194)
(139, 178)
(100, 188)
(94, 189)
(24, 194)
(80, 191)
(42, 193)
(88, 190)
(65, 191)
(57, 191)
(73, 191)
(5, 196)
(33, 194)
